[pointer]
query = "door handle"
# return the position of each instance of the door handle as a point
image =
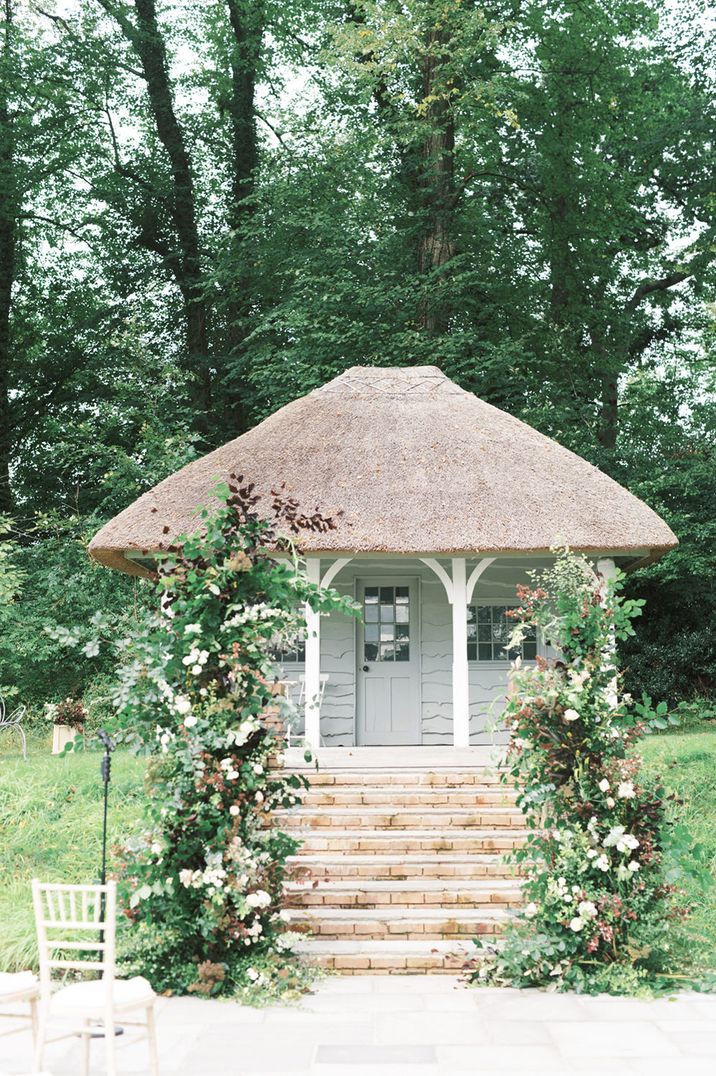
(366, 668)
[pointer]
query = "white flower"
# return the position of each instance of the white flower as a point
(234, 810)
(576, 924)
(602, 863)
(626, 791)
(570, 715)
(259, 899)
(190, 721)
(259, 797)
(622, 872)
(214, 589)
(185, 877)
(196, 670)
(530, 910)
(633, 866)
(182, 704)
(192, 629)
(611, 802)
(252, 974)
(586, 909)
(257, 768)
(604, 785)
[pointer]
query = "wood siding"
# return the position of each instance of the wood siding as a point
(488, 680)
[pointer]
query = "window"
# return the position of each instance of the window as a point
(489, 628)
(386, 624)
(293, 654)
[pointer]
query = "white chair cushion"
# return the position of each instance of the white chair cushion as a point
(90, 997)
(19, 984)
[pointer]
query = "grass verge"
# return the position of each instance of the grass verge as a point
(686, 762)
(51, 828)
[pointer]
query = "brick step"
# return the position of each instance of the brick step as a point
(409, 796)
(418, 893)
(397, 842)
(389, 957)
(433, 778)
(405, 866)
(406, 818)
(397, 921)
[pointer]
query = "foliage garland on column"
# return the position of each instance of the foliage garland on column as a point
(604, 847)
(203, 885)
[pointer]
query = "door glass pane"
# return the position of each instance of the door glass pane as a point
(387, 613)
(386, 628)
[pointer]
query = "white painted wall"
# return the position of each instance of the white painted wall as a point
(488, 681)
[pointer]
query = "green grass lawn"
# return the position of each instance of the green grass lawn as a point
(686, 762)
(51, 823)
(51, 828)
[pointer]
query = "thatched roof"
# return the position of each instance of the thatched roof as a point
(415, 465)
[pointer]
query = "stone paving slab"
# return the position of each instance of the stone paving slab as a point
(419, 1026)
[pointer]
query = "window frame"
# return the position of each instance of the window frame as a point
(477, 661)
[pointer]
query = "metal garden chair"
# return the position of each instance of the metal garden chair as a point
(13, 722)
(72, 921)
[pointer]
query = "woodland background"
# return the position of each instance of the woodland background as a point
(210, 207)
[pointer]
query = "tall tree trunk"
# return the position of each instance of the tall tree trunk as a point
(247, 26)
(8, 244)
(146, 38)
(436, 189)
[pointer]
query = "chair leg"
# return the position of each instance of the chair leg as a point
(86, 1039)
(40, 1040)
(152, 1040)
(24, 742)
(109, 1044)
(33, 1021)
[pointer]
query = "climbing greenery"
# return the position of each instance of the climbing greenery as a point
(605, 851)
(203, 884)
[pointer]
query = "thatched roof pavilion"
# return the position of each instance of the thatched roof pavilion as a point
(442, 504)
(415, 466)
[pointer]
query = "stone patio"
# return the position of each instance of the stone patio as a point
(422, 1026)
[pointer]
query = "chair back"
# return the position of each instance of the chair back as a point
(10, 720)
(71, 921)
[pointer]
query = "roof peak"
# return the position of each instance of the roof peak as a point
(371, 381)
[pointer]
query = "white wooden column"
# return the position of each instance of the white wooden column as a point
(312, 687)
(460, 681)
(459, 592)
(608, 570)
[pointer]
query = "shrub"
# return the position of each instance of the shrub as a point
(203, 885)
(68, 712)
(603, 853)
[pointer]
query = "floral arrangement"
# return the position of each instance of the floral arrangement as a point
(68, 712)
(604, 851)
(203, 885)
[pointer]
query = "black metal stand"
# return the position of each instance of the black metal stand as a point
(106, 772)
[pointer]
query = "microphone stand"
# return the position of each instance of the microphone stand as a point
(106, 773)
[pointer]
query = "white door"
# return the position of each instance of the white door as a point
(388, 655)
